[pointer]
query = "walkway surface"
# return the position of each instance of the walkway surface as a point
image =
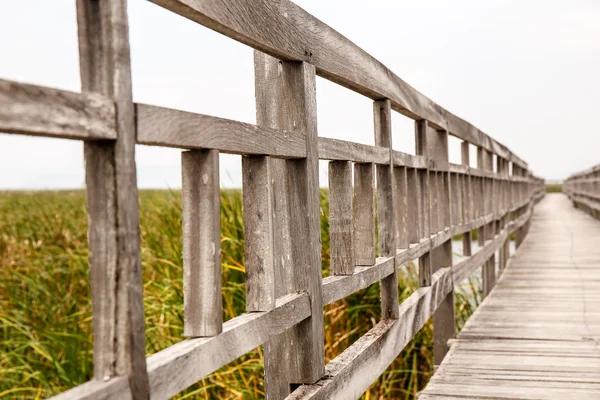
(537, 335)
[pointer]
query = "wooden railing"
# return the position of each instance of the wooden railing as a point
(583, 188)
(422, 201)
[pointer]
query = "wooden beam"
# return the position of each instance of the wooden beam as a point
(158, 126)
(112, 200)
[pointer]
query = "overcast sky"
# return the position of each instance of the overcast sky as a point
(525, 72)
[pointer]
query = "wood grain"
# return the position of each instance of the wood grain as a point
(284, 30)
(158, 126)
(364, 214)
(41, 111)
(203, 301)
(535, 336)
(386, 225)
(258, 233)
(341, 150)
(341, 241)
(352, 372)
(112, 200)
(286, 92)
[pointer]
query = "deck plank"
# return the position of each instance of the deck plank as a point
(537, 335)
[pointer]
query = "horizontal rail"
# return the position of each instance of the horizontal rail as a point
(158, 126)
(352, 372)
(284, 30)
(185, 363)
(41, 111)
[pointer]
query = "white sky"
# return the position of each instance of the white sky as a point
(526, 72)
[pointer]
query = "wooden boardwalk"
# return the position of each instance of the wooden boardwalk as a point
(537, 335)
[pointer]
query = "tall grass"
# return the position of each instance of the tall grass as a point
(553, 187)
(45, 309)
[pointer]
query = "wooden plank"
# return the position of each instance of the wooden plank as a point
(98, 390)
(533, 335)
(179, 366)
(401, 207)
(41, 111)
(286, 101)
(203, 302)
(386, 227)
(364, 214)
(341, 150)
(341, 241)
(185, 363)
(413, 203)
(258, 233)
(353, 371)
(337, 287)
(158, 126)
(408, 160)
(112, 201)
(425, 226)
(287, 32)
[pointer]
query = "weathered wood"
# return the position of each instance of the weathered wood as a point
(401, 207)
(179, 366)
(386, 227)
(286, 31)
(407, 160)
(337, 287)
(112, 200)
(258, 233)
(158, 126)
(364, 214)
(534, 335)
(40, 111)
(334, 149)
(341, 241)
(413, 204)
(353, 371)
(203, 302)
(286, 100)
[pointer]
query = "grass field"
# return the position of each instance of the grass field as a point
(553, 187)
(45, 310)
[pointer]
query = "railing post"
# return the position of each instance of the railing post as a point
(467, 199)
(385, 207)
(434, 145)
(488, 270)
(286, 99)
(424, 202)
(112, 200)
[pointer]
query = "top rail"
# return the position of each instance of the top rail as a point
(284, 30)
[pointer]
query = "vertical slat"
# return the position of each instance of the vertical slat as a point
(112, 200)
(341, 243)
(364, 215)
(203, 310)
(444, 326)
(488, 271)
(424, 206)
(444, 318)
(434, 145)
(413, 202)
(401, 207)
(258, 233)
(468, 199)
(386, 226)
(286, 99)
(481, 234)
